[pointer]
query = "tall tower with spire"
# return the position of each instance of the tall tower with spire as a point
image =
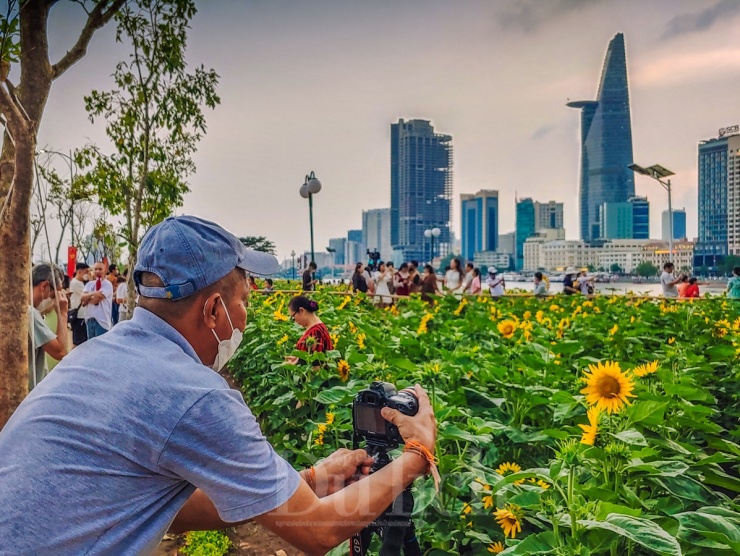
(606, 142)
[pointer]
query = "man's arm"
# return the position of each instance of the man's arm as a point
(57, 348)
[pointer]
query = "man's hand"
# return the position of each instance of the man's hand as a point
(422, 427)
(336, 471)
(63, 302)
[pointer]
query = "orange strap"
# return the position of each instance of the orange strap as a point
(310, 478)
(423, 451)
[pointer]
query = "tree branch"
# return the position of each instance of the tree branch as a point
(97, 18)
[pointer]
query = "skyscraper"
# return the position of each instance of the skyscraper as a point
(479, 215)
(421, 187)
(640, 217)
(679, 224)
(719, 199)
(339, 244)
(615, 221)
(548, 215)
(376, 231)
(525, 228)
(606, 142)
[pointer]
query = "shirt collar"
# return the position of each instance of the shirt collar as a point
(147, 320)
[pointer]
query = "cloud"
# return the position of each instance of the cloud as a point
(702, 20)
(528, 15)
(678, 68)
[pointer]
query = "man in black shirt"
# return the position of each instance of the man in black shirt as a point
(568, 287)
(309, 282)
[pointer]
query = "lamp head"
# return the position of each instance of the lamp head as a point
(313, 185)
(427, 233)
(436, 232)
(304, 191)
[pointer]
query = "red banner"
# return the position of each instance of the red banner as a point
(71, 260)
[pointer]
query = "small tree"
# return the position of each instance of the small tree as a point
(258, 243)
(646, 269)
(153, 118)
(24, 42)
(615, 268)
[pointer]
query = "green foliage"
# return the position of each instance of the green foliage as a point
(10, 46)
(154, 118)
(660, 477)
(728, 263)
(206, 543)
(258, 243)
(646, 269)
(615, 268)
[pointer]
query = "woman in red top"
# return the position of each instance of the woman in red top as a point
(316, 338)
(692, 290)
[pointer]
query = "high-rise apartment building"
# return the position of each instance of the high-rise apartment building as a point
(640, 217)
(421, 187)
(376, 232)
(719, 198)
(339, 244)
(679, 224)
(606, 142)
(525, 228)
(479, 215)
(354, 249)
(548, 215)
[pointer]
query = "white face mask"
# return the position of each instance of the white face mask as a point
(46, 305)
(226, 348)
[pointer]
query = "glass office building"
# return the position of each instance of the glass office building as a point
(606, 142)
(640, 217)
(525, 228)
(479, 215)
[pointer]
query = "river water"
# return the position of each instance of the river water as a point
(619, 288)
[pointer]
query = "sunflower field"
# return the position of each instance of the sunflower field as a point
(567, 426)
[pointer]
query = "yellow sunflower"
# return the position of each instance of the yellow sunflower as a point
(507, 328)
(646, 369)
(488, 502)
(361, 341)
(613, 330)
(496, 547)
(671, 341)
(608, 387)
(508, 467)
(590, 430)
(343, 369)
(508, 519)
(282, 340)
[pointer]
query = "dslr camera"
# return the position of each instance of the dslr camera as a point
(370, 425)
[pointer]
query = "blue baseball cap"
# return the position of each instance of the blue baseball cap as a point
(189, 253)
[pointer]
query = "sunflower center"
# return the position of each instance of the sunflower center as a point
(609, 387)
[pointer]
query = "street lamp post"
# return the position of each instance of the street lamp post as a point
(657, 172)
(292, 254)
(311, 186)
(431, 233)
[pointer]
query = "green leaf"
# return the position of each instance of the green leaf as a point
(631, 436)
(606, 508)
(648, 412)
(542, 543)
(710, 527)
(476, 398)
(337, 395)
(455, 433)
(638, 530)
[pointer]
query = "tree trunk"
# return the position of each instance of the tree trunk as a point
(16, 168)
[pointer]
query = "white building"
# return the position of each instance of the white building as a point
(376, 231)
(541, 253)
(492, 258)
(532, 250)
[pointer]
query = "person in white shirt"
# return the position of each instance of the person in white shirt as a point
(468, 280)
(97, 298)
(585, 284)
(76, 310)
(495, 283)
(121, 296)
(454, 277)
(668, 281)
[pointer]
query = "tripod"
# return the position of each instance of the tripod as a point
(394, 526)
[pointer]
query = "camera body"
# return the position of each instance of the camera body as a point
(370, 424)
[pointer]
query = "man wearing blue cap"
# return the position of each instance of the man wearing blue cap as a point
(104, 459)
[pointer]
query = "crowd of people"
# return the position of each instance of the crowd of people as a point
(87, 305)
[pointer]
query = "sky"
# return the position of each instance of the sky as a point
(314, 86)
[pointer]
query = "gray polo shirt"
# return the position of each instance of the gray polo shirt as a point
(101, 456)
(39, 334)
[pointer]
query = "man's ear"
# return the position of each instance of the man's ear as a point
(211, 307)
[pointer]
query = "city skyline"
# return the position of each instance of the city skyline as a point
(494, 76)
